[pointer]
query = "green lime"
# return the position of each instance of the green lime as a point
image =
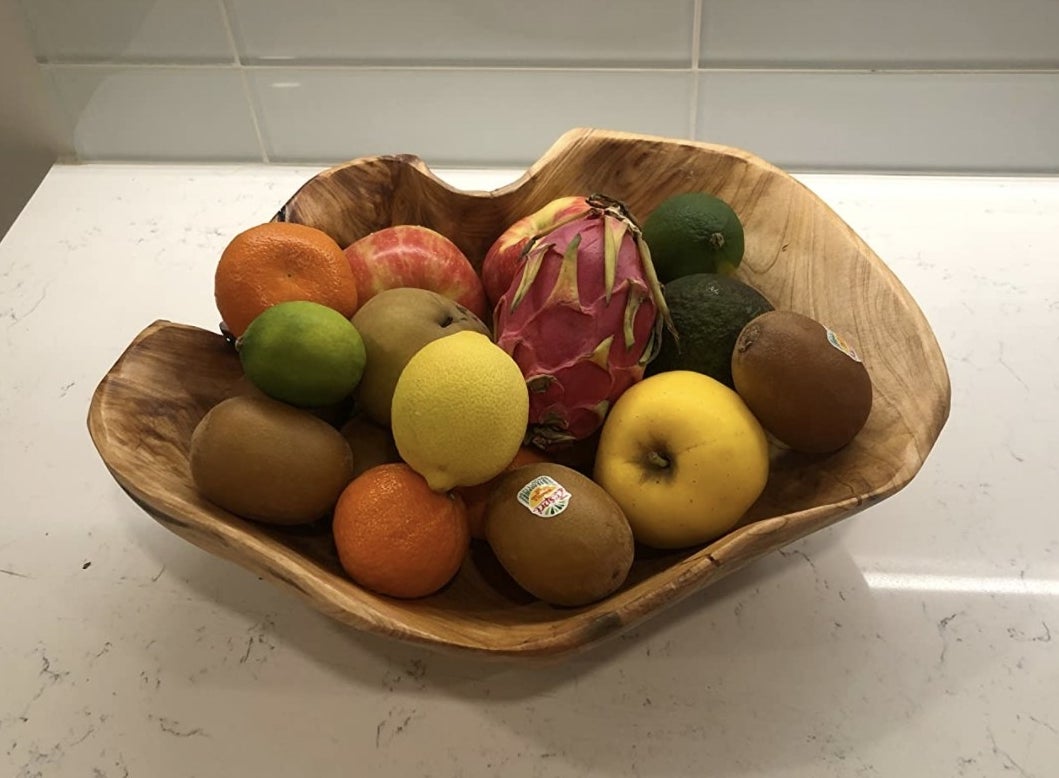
(709, 311)
(302, 353)
(693, 232)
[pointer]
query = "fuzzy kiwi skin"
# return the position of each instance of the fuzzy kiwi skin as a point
(264, 460)
(575, 558)
(809, 394)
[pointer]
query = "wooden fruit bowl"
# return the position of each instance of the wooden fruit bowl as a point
(799, 253)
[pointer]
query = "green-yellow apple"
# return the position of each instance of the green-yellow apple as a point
(502, 259)
(410, 255)
(684, 458)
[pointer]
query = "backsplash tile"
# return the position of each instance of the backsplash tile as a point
(457, 117)
(157, 113)
(954, 85)
(905, 121)
(628, 33)
(895, 33)
(128, 30)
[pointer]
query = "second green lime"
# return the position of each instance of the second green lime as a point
(302, 353)
(694, 232)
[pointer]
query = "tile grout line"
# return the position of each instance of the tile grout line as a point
(237, 64)
(353, 66)
(696, 50)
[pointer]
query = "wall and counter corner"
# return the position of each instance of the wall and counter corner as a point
(951, 85)
(30, 133)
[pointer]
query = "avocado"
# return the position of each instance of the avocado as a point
(558, 534)
(708, 310)
(805, 384)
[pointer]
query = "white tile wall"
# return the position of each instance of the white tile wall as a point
(479, 32)
(810, 84)
(157, 113)
(128, 30)
(453, 117)
(907, 121)
(881, 33)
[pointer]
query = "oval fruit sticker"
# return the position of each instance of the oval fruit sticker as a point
(840, 343)
(544, 497)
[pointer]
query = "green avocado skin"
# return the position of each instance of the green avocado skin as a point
(709, 310)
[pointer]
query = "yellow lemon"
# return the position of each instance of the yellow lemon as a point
(684, 458)
(459, 411)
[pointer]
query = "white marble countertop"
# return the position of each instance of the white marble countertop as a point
(918, 638)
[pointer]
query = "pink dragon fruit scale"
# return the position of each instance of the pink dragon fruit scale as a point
(582, 318)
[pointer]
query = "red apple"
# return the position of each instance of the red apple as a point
(415, 256)
(502, 261)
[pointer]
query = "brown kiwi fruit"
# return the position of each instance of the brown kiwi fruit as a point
(334, 414)
(802, 381)
(265, 460)
(558, 534)
(372, 444)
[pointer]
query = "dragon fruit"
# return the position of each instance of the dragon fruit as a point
(582, 318)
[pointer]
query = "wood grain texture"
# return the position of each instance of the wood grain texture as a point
(799, 253)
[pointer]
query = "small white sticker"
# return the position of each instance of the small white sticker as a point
(838, 342)
(544, 497)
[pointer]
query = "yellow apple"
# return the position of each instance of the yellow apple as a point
(684, 458)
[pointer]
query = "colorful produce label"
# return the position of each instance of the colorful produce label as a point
(840, 343)
(544, 497)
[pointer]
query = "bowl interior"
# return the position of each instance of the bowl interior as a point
(799, 254)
